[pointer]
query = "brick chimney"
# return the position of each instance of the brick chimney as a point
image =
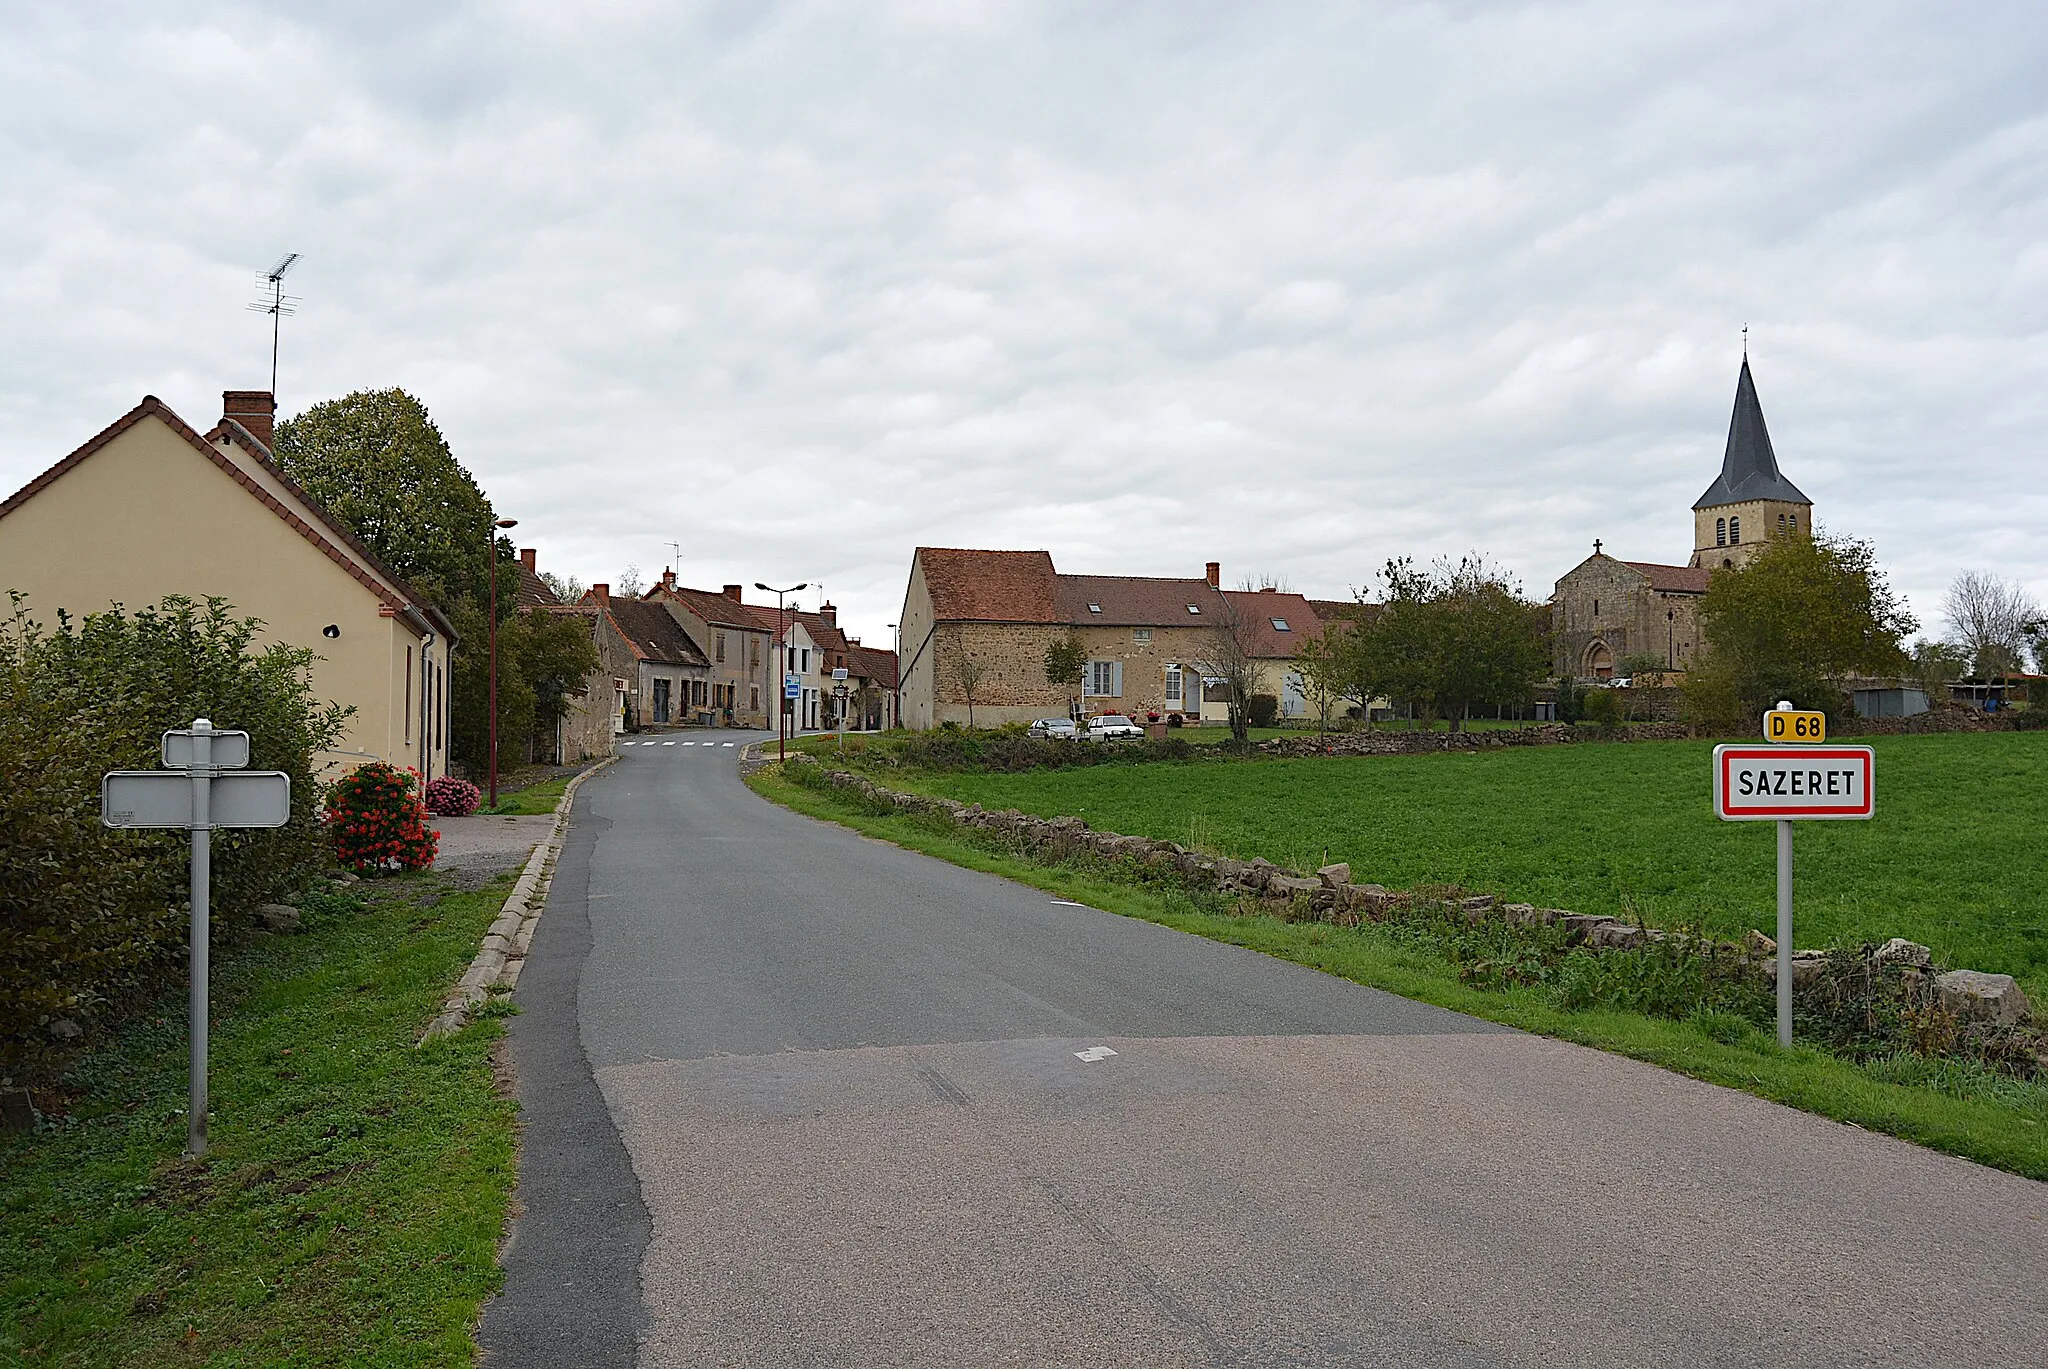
(527, 556)
(1269, 589)
(1214, 570)
(668, 579)
(830, 614)
(255, 410)
(602, 594)
(732, 592)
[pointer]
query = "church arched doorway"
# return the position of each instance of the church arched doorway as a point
(1599, 661)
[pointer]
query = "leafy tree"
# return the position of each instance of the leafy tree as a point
(375, 460)
(1322, 666)
(969, 672)
(1065, 662)
(1447, 638)
(1802, 613)
(1228, 652)
(543, 660)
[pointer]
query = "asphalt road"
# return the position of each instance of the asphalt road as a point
(794, 1097)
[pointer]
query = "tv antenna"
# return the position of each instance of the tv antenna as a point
(677, 548)
(277, 306)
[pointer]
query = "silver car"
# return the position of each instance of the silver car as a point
(1062, 728)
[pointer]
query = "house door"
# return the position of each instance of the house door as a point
(661, 701)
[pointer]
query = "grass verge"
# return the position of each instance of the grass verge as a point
(350, 1205)
(1976, 1114)
(532, 800)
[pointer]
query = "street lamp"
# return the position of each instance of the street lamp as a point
(501, 523)
(781, 665)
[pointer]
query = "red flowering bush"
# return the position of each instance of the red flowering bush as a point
(376, 820)
(453, 798)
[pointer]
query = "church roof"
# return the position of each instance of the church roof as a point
(1673, 579)
(1749, 468)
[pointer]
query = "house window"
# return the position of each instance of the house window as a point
(1735, 532)
(721, 648)
(754, 654)
(1720, 532)
(754, 697)
(1105, 680)
(807, 660)
(1173, 686)
(1142, 636)
(1194, 608)
(1095, 608)
(1280, 625)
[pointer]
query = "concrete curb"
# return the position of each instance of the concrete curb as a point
(503, 953)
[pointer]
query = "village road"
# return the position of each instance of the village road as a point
(794, 1097)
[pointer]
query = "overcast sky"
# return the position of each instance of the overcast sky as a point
(1295, 287)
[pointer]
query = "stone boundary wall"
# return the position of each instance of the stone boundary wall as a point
(503, 953)
(1332, 895)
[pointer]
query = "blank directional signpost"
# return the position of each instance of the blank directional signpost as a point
(1796, 779)
(203, 786)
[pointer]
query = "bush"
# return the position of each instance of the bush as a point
(453, 798)
(1261, 709)
(1601, 710)
(92, 918)
(377, 821)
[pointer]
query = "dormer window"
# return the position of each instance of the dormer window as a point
(1280, 625)
(1194, 608)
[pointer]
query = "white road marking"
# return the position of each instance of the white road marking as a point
(668, 743)
(1094, 1053)
(1067, 903)
(721, 743)
(685, 743)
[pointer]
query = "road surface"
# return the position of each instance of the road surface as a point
(795, 1097)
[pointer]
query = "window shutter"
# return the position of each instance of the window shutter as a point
(1116, 678)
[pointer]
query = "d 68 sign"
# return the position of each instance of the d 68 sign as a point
(1774, 783)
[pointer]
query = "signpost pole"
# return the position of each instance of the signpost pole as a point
(202, 893)
(1785, 932)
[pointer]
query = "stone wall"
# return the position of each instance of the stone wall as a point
(1606, 603)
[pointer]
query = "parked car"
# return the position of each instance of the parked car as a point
(1052, 727)
(1112, 727)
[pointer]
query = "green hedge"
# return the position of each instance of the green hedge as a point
(90, 917)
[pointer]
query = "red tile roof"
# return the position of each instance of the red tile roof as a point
(717, 608)
(873, 663)
(1673, 579)
(990, 586)
(1137, 601)
(1262, 611)
(653, 633)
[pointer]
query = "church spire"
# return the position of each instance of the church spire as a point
(1749, 468)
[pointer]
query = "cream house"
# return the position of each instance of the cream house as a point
(150, 507)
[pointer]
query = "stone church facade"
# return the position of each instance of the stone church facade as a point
(1604, 611)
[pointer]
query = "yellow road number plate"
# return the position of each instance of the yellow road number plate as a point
(1795, 725)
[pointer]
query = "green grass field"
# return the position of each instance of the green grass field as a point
(1955, 857)
(350, 1207)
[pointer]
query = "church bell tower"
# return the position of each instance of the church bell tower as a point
(1751, 502)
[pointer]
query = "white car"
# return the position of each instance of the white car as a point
(1113, 727)
(1052, 727)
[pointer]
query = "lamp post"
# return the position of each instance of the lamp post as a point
(781, 665)
(501, 523)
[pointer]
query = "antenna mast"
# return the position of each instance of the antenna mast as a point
(278, 305)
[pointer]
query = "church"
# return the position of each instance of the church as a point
(1604, 610)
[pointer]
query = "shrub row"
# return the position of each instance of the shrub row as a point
(91, 917)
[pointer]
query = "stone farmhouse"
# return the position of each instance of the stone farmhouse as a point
(149, 507)
(735, 639)
(976, 625)
(1604, 610)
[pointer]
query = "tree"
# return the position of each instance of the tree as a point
(1320, 664)
(630, 584)
(1992, 620)
(969, 672)
(1447, 638)
(1802, 613)
(1228, 654)
(1066, 660)
(375, 460)
(566, 588)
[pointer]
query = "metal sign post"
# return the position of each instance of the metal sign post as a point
(1786, 782)
(202, 787)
